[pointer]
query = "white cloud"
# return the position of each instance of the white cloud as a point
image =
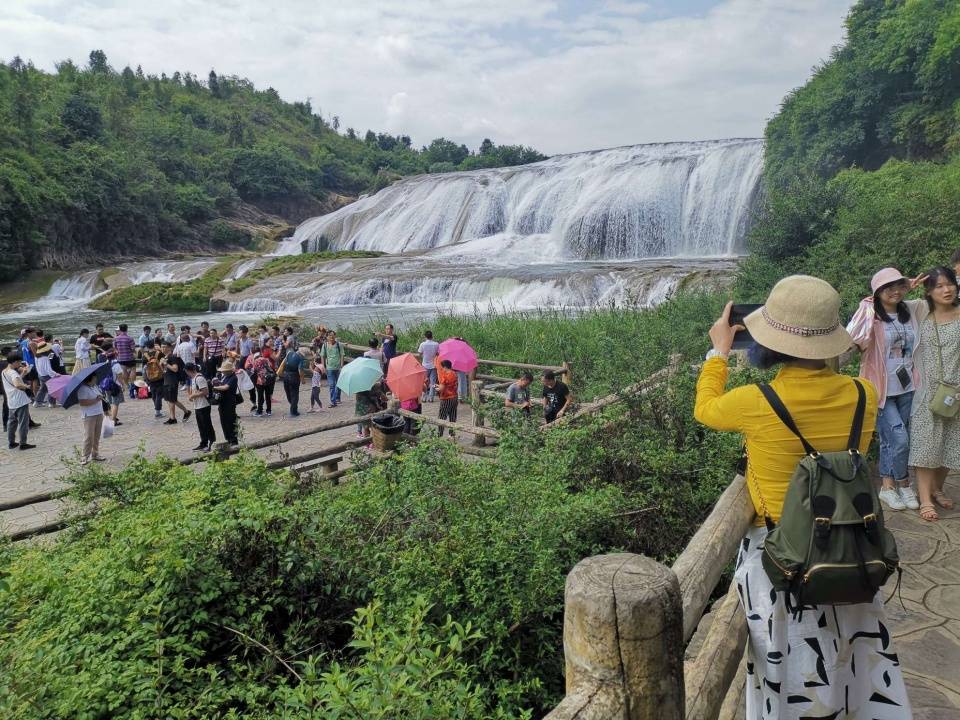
(520, 71)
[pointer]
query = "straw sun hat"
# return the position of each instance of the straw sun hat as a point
(801, 318)
(226, 367)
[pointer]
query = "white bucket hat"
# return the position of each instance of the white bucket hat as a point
(801, 318)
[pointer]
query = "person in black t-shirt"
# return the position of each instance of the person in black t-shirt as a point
(100, 340)
(172, 374)
(556, 397)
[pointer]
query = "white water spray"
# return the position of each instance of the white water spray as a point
(664, 200)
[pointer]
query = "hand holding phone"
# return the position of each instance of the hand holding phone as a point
(742, 339)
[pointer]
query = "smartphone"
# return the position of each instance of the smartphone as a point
(742, 339)
(903, 375)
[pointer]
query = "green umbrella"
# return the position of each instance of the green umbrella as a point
(359, 375)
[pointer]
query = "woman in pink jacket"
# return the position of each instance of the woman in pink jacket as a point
(885, 328)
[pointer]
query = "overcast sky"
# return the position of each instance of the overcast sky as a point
(561, 75)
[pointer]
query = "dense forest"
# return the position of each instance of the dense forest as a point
(96, 164)
(862, 165)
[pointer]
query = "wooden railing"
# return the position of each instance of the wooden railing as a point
(627, 620)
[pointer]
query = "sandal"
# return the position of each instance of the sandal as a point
(943, 500)
(929, 513)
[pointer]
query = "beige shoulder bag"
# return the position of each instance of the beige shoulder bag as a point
(946, 400)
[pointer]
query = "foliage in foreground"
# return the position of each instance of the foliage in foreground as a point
(425, 587)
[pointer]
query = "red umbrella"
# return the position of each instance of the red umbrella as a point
(405, 376)
(461, 356)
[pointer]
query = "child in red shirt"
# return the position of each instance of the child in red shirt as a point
(447, 385)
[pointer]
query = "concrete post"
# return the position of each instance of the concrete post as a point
(622, 641)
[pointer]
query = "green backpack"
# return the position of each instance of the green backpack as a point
(831, 546)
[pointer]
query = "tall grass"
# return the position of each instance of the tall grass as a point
(608, 347)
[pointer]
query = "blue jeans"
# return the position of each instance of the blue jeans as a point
(893, 426)
(431, 381)
(332, 376)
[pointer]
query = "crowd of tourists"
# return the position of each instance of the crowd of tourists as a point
(809, 572)
(187, 372)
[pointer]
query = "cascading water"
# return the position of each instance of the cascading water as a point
(664, 200)
(422, 280)
(82, 286)
(160, 271)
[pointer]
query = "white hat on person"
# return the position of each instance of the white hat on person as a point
(801, 318)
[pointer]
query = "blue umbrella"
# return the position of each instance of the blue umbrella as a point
(359, 375)
(101, 370)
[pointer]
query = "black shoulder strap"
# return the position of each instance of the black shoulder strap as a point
(781, 410)
(854, 442)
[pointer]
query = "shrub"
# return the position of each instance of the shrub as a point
(609, 347)
(427, 586)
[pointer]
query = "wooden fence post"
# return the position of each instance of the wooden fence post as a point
(622, 641)
(476, 404)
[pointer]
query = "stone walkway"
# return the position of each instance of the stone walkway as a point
(24, 473)
(927, 632)
(926, 628)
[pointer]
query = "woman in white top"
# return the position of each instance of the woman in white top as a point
(91, 415)
(82, 349)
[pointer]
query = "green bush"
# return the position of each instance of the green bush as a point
(427, 586)
(861, 165)
(609, 347)
(904, 214)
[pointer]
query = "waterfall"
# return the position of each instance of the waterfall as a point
(166, 271)
(81, 286)
(384, 281)
(665, 200)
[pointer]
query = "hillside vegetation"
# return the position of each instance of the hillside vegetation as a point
(97, 163)
(862, 163)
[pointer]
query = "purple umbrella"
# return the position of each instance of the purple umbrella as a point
(69, 392)
(56, 385)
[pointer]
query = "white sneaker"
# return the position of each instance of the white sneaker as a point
(909, 497)
(891, 498)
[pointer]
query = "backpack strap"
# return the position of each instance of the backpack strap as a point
(781, 410)
(853, 444)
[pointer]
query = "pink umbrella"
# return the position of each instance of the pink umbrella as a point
(461, 356)
(405, 376)
(57, 384)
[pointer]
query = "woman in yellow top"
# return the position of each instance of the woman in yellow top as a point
(830, 661)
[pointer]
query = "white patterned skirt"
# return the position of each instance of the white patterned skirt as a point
(830, 663)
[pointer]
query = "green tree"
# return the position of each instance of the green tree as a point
(98, 62)
(442, 150)
(213, 84)
(82, 117)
